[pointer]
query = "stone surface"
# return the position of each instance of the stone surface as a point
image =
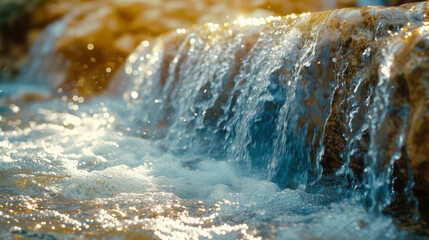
(400, 65)
(414, 62)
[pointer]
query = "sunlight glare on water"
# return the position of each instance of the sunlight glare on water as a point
(198, 142)
(74, 175)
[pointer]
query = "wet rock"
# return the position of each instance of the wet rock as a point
(414, 62)
(399, 66)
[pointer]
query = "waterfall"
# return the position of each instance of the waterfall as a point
(296, 127)
(298, 98)
(303, 100)
(45, 66)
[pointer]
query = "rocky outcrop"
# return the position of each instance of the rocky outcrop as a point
(413, 65)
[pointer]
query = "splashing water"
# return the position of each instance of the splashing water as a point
(222, 131)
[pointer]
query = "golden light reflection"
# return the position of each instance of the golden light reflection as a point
(181, 31)
(107, 217)
(90, 46)
(242, 21)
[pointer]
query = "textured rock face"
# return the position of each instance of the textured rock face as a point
(416, 73)
(327, 94)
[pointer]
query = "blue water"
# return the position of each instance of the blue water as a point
(215, 132)
(81, 173)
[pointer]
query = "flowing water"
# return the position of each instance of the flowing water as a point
(218, 132)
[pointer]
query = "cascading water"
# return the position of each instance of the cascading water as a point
(259, 128)
(262, 93)
(228, 89)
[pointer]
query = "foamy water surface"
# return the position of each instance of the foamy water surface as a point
(71, 170)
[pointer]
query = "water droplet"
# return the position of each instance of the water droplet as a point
(15, 229)
(108, 69)
(132, 58)
(14, 108)
(128, 70)
(134, 94)
(90, 46)
(181, 31)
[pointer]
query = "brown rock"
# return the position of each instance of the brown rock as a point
(409, 80)
(416, 73)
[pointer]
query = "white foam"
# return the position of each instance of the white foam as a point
(103, 165)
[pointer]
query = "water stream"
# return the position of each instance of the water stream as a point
(220, 131)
